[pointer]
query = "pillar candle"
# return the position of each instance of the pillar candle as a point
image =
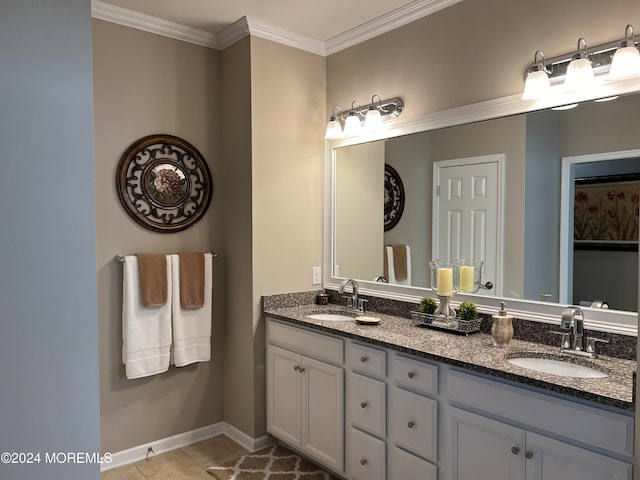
(445, 282)
(466, 279)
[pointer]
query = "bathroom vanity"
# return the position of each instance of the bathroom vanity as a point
(394, 401)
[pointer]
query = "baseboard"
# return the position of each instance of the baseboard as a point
(245, 441)
(163, 445)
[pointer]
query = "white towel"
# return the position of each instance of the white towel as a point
(146, 332)
(391, 267)
(191, 326)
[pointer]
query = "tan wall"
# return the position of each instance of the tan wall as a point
(288, 96)
(236, 196)
(473, 51)
(146, 84)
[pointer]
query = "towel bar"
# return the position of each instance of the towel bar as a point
(120, 258)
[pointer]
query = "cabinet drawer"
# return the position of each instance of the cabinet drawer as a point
(316, 345)
(405, 466)
(365, 457)
(367, 359)
(366, 404)
(413, 422)
(593, 426)
(414, 374)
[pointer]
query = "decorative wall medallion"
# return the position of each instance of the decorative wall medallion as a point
(393, 197)
(164, 183)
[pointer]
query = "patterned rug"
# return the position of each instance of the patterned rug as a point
(272, 463)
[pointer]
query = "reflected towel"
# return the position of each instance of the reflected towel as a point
(191, 327)
(397, 264)
(146, 332)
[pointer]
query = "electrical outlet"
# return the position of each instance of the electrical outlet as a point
(316, 275)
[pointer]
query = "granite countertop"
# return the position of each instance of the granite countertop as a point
(476, 353)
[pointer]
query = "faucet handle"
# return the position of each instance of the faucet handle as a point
(591, 344)
(361, 303)
(565, 338)
(349, 299)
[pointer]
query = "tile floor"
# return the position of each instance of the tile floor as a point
(188, 463)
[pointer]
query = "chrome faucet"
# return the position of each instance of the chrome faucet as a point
(574, 340)
(353, 301)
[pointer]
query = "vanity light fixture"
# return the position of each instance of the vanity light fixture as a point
(373, 115)
(626, 61)
(334, 129)
(373, 119)
(352, 125)
(537, 83)
(580, 71)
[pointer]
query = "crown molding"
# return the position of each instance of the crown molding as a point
(147, 23)
(385, 23)
(250, 26)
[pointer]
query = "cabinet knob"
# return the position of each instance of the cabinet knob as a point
(301, 369)
(529, 455)
(363, 405)
(411, 374)
(410, 424)
(296, 367)
(515, 450)
(363, 461)
(363, 359)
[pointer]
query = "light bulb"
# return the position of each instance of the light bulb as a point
(373, 120)
(352, 125)
(334, 129)
(536, 86)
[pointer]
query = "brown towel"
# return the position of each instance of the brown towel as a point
(399, 262)
(152, 273)
(191, 280)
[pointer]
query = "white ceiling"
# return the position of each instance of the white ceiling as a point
(317, 19)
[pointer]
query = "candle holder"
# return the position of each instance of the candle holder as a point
(444, 282)
(469, 274)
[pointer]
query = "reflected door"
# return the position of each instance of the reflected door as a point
(466, 202)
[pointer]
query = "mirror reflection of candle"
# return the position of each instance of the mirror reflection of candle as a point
(445, 282)
(466, 279)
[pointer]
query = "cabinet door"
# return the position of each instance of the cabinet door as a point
(484, 449)
(284, 412)
(549, 459)
(323, 412)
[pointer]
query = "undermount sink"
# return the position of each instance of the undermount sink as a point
(557, 366)
(331, 317)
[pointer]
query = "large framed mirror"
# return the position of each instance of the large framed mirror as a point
(533, 260)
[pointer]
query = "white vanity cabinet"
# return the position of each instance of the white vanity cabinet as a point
(305, 392)
(516, 434)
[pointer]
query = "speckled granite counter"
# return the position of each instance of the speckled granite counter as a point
(475, 353)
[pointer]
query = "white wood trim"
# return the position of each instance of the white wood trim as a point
(147, 23)
(395, 19)
(163, 445)
(252, 26)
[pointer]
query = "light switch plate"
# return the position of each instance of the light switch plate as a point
(316, 275)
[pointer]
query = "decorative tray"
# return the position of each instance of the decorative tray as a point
(452, 325)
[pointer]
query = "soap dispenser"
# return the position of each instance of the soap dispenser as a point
(502, 328)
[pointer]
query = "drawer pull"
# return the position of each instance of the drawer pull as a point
(529, 455)
(515, 450)
(363, 405)
(363, 359)
(410, 424)
(411, 374)
(363, 461)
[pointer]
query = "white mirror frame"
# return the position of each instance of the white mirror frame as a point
(614, 321)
